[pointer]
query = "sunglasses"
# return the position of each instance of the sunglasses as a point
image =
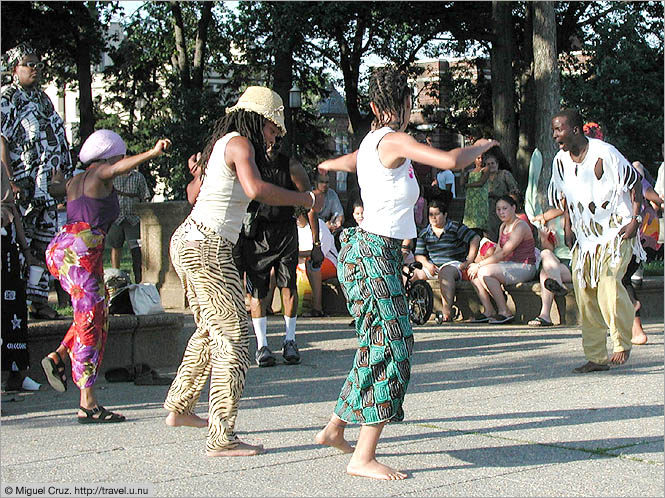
(33, 65)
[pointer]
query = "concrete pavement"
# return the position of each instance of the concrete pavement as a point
(490, 411)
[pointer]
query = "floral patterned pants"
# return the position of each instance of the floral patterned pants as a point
(75, 257)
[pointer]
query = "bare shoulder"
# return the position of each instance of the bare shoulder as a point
(522, 228)
(237, 151)
(398, 137)
(239, 142)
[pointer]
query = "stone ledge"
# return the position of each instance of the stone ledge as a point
(523, 300)
(150, 339)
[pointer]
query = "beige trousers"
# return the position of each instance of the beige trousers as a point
(605, 307)
(219, 347)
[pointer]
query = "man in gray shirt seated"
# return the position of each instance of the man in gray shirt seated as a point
(333, 212)
(445, 248)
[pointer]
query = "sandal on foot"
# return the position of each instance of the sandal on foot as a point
(499, 319)
(55, 373)
(539, 322)
(555, 287)
(480, 318)
(104, 416)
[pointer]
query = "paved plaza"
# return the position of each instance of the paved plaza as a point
(490, 411)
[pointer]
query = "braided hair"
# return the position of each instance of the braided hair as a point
(249, 124)
(388, 89)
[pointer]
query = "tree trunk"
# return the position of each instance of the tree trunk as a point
(180, 58)
(200, 45)
(282, 83)
(84, 76)
(503, 83)
(527, 131)
(548, 88)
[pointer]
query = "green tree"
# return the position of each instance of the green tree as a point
(158, 79)
(272, 36)
(619, 84)
(70, 37)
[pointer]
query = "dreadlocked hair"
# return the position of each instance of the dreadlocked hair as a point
(388, 89)
(249, 124)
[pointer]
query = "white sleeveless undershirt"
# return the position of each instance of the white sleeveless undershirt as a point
(388, 195)
(222, 202)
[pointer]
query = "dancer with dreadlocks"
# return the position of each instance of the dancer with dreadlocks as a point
(201, 252)
(370, 265)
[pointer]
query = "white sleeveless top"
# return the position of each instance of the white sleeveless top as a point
(388, 195)
(222, 202)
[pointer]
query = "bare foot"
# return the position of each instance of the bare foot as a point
(241, 449)
(374, 470)
(187, 420)
(639, 339)
(620, 357)
(331, 437)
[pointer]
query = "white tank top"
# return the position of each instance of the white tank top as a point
(388, 195)
(222, 202)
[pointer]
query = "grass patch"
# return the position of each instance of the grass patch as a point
(66, 311)
(125, 259)
(653, 269)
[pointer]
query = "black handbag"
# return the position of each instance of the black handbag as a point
(249, 224)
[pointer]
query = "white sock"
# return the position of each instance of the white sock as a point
(290, 328)
(260, 330)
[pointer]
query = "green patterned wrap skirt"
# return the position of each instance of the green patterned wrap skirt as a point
(370, 271)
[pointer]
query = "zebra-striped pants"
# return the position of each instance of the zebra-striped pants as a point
(220, 344)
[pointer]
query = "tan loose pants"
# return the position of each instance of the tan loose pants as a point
(605, 307)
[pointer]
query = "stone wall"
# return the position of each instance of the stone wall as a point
(151, 339)
(523, 300)
(158, 222)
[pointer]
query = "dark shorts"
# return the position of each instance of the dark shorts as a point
(125, 231)
(274, 246)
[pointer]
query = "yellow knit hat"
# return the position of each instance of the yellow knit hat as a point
(263, 101)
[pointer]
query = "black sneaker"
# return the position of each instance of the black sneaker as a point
(265, 358)
(290, 353)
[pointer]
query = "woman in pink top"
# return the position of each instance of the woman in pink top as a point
(513, 261)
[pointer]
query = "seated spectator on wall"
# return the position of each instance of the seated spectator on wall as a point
(445, 248)
(332, 212)
(513, 261)
(358, 211)
(486, 248)
(328, 268)
(554, 273)
(445, 180)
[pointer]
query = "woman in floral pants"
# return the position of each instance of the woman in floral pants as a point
(75, 257)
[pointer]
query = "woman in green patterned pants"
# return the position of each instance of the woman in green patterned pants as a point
(370, 270)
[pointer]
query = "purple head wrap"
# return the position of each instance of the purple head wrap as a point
(102, 144)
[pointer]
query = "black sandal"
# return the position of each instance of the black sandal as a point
(105, 416)
(55, 373)
(555, 287)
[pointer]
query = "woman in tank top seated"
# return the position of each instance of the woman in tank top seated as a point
(513, 261)
(75, 258)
